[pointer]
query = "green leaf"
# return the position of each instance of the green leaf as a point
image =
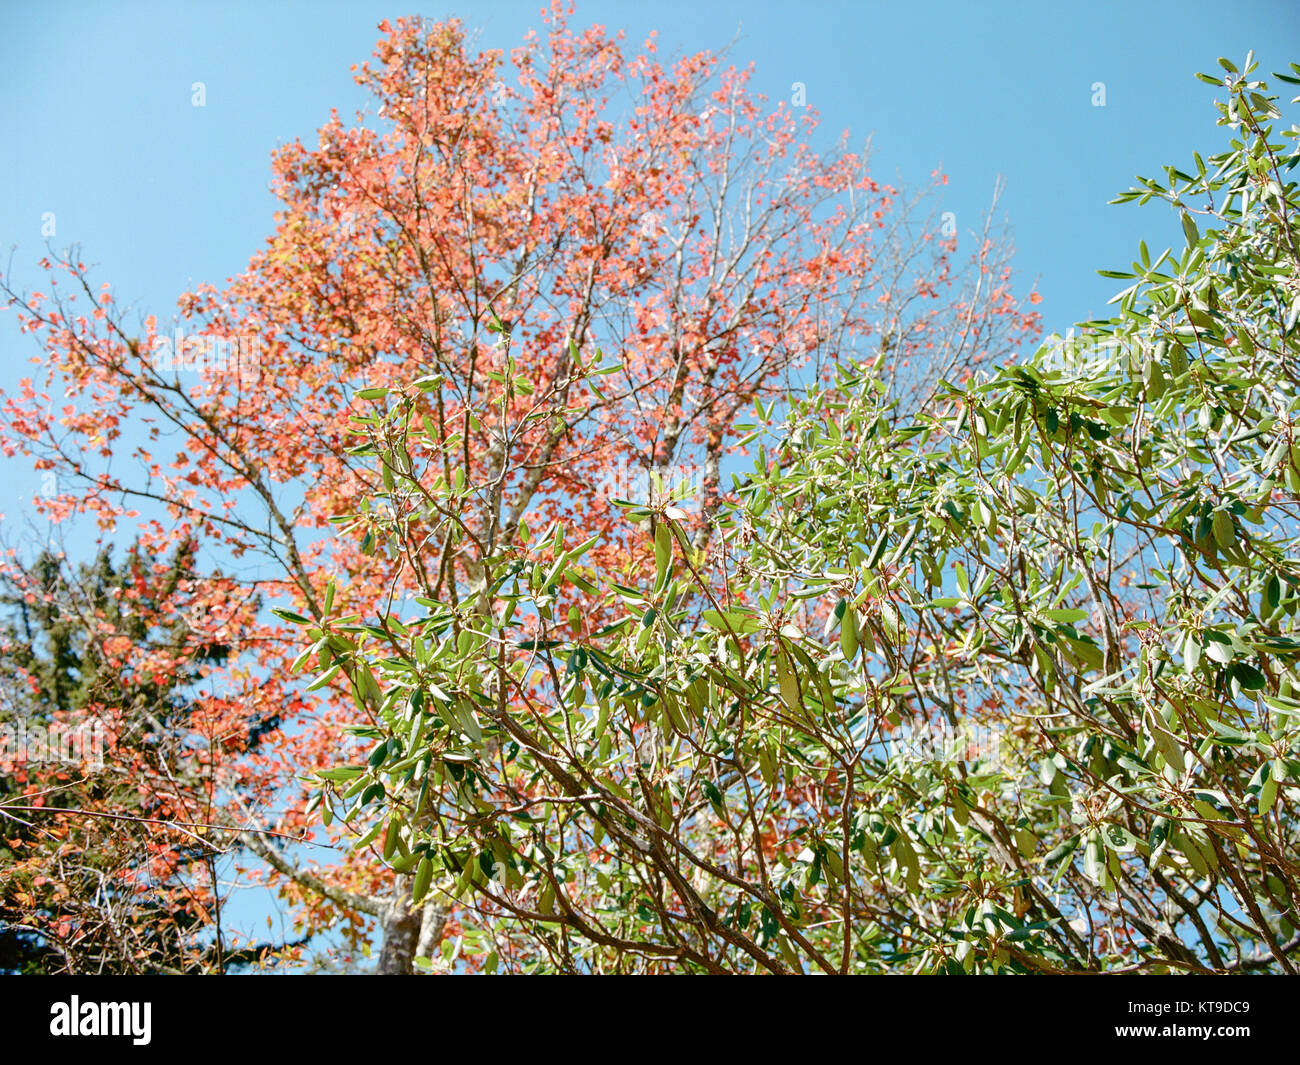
(1247, 676)
(1069, 616)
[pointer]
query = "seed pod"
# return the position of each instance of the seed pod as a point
(390, 838)
(849, 634)
(404, 863)
(423, 876)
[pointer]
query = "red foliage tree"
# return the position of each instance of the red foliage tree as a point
(578, 198)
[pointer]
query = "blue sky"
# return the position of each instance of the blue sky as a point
(100, 129)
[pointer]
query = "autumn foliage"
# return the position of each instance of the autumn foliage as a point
(667, 254)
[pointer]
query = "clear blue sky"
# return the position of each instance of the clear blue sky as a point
(99, 127)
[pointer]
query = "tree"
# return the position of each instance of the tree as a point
(110, 768)
(596, 201)
(1003, 684)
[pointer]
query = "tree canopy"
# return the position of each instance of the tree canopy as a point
(1003, 684)
(599, 532)
(577, 195)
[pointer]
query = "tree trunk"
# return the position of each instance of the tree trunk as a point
(400, 923)
(408, 931)
(432, 922)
